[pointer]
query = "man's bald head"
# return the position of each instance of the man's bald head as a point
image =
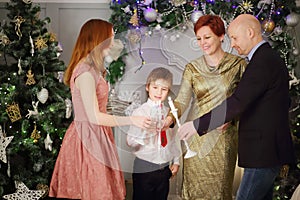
(245, 33)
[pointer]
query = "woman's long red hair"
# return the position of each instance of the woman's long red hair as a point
(92, 33)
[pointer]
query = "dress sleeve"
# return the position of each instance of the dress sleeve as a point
(185, 93)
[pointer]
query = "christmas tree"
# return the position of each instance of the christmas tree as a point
(35, 104)
(278, 19)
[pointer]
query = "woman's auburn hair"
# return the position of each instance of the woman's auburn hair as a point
(92, 33)
(214, 22)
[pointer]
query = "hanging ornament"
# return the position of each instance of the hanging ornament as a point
(178, 2)
(23, 193)
(295, 51)
(134, 37)
(68, 104)
(134, 20)
(13, 112)
(268, 25)
(150, 14)
(3, 38)
(27, 1)
(31, 45)
(30, 78)
(292, 19)
(40, 43)
(127, 10)
(43, 95)
(59, 49)
(4, 142)
(53, 37)
(35, 135)
(18, 21)
(48, 142)
(147, 2)
(34, 111)
(246, 7)
(60, 76)
(196, 14)
(20, 67)
(277, 30)
(262, 3)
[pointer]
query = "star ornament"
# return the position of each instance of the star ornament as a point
(23, 193)
(246, 6)
(4, 141)
(40, 43)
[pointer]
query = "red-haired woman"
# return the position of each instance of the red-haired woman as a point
(88, 166)
(209, 79)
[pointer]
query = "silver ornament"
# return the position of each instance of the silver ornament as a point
(196, 15)
(295, 51)
(43, 95)
(292, 19)
(150, 14)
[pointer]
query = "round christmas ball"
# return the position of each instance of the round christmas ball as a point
(268, 25)
(150, 14)
(196, 15)
(292, 19)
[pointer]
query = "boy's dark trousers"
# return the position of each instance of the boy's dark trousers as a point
(150, 181)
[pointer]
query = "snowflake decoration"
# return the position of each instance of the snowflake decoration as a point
(40, 43)
(246, 7)
(4, 142)
(23, 193)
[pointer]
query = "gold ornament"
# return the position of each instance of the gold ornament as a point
(178, 2)
(4, 39)
(246, 7)
(30, 76)
(18, 20)
(268, 25)
(35, 135)
(53, 37)
(13, 112)
(134, 20)
(40, 43)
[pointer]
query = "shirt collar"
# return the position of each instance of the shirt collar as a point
(254, 49)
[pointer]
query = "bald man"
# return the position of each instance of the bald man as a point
(261, 102)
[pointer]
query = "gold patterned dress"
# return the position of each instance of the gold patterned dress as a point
(209, 175)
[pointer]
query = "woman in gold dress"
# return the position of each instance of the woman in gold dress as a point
(209, 79)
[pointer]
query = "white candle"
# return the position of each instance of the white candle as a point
(171, 104)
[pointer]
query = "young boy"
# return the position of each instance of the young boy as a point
(157, 155)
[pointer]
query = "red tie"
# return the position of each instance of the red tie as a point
(163, 138)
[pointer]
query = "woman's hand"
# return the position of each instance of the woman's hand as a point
(142, 122)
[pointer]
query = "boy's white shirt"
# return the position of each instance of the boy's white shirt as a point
(153, 152)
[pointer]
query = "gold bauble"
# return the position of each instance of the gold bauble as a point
(268, 25)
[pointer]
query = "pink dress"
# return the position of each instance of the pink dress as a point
(88, 166)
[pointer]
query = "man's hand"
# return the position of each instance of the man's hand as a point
(186, 130)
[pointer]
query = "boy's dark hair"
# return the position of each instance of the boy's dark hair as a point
(160, 73)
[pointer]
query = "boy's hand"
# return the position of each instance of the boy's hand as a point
(174, 169)
(167, 123)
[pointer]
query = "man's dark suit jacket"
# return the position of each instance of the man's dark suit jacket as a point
(261, 102)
